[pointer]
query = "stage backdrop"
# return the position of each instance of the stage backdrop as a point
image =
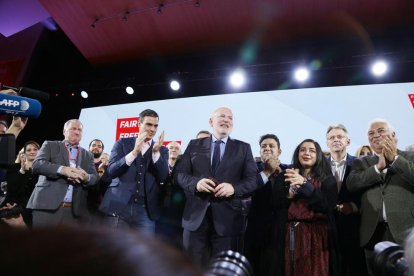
(293, 115)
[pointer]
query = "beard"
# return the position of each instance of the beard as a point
(97, 154)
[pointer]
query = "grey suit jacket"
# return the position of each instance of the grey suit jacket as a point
(395, 189)
(51, 187)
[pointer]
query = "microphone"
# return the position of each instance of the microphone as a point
(28, 92)
(19, 106)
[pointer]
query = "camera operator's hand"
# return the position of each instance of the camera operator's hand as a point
(9, 92)
(17, 125)
(16, 221)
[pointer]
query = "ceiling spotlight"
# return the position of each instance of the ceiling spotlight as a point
(301, 74)
(175, 85)
(84, 94)
(129, 90)
(379, 68)
(237, 79)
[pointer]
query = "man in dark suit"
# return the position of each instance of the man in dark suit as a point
(347, 215)
(137, 166)
(215, 173)
(66, 171)
(260, 213)
(386, 180)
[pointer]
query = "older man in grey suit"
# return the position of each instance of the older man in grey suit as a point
(387, 182)
(66, 171)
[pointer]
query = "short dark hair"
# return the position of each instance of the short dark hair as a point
(98, 141)
(269, 136)
(147, 113)
(30, 142)
(4, 123)
(203, 132)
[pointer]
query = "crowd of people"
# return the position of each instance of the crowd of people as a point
(322, 214)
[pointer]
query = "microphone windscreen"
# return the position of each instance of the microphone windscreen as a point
(19, 106)
(33, 93)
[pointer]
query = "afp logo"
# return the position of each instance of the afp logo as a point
(22, 105)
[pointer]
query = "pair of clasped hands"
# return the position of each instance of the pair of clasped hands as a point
(75, 175)
(295, 181)
(212, 186)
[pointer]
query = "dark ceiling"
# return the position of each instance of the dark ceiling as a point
(102, 46)
(131, 29)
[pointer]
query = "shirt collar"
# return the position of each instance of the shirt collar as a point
(340, 163)
(71, 146)
(213, 139)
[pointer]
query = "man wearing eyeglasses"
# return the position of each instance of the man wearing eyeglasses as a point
(386, 180)
(347, 216)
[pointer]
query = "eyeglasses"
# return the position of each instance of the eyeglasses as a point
(339, 137)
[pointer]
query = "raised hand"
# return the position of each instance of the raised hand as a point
(389, 148)
(139, 142)
(271, 165)
(158, 144)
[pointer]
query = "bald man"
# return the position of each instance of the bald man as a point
(215, 173)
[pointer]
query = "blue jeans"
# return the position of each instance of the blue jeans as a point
(134, 216)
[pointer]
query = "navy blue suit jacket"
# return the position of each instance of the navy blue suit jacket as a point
(125, 178)
(237, 167)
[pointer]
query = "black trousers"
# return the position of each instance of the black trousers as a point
(204, 243)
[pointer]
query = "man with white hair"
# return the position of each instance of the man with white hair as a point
(66, 171)
(386, 180)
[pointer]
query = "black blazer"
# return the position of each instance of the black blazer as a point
(237, 167)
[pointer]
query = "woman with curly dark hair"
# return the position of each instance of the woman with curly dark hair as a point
(301, 238)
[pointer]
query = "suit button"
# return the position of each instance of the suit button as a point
(139, 173)
(137, 191)
(135, 200)
(139, 182)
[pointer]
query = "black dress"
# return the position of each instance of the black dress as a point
(19, 189)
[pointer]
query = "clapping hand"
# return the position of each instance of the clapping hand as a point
(158, 144)
(271, 165)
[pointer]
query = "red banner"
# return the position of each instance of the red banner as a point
(127, 127)
(411, 97)
(165, 143)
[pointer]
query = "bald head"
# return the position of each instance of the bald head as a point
(222, 122)
(174, 150)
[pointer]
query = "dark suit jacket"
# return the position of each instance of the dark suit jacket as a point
(51, 187)
(237, 167)
(344, 195)
(125, 178)
(396, 190)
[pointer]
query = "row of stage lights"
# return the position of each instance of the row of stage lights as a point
(237, 79)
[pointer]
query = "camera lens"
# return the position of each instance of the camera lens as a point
(229, 263)
(389, 259)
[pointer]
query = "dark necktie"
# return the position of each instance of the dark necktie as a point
(216, 156)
